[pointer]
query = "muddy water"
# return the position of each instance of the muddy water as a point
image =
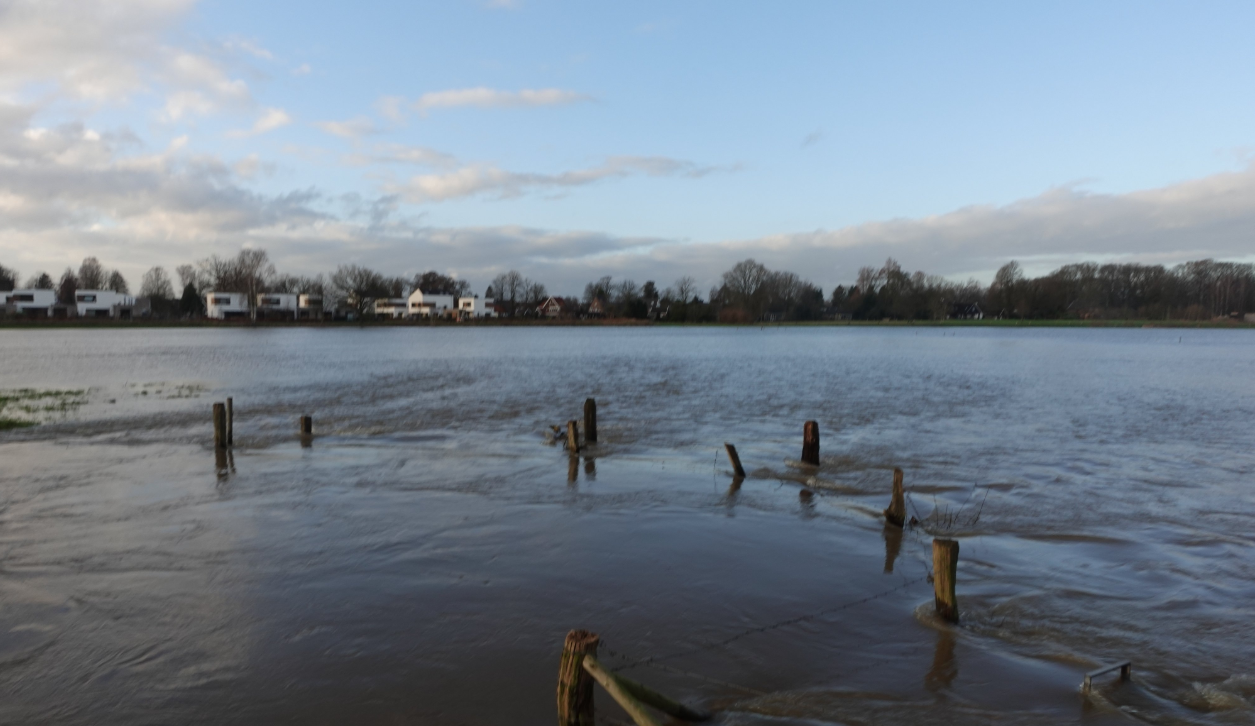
(421, 559)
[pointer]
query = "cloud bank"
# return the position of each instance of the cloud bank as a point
(70, 191)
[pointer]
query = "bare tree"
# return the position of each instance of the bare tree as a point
(156, 285)
(358, 287)
(187, 276)
(511, 289)
(117, 283)
(684, 289)
(92, 275)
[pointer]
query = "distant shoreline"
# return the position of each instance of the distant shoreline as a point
(45, 324)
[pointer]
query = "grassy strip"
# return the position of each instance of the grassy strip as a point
(7, 424)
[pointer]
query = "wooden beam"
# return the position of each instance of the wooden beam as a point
(896, 513)
(590, 421)
(634, 708)
(649, 696)
(810, 443)
(736, 461)
(945, 570)
(220, 425)
(575, 685)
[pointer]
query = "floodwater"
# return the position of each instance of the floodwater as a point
(421, 558)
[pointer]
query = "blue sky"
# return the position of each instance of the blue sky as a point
(575, 139)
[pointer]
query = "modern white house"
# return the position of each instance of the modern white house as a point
(309, 307)
(32, 302)
(390, 307)
(425, 305)
(473, 307)
(103, 304)
(225, 305)
(281, 305)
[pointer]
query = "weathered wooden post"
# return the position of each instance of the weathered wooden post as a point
(737, 469)
(307, 426)
(220, 425)
(572, 436)
(945, 571)
(575, 685)
(230, 422)
(810, 443)
(590, 421)
(896, 513)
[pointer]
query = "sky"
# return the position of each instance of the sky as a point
(647, 140)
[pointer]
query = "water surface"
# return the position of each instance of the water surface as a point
(421, 559)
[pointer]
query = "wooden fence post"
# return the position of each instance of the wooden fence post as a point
(220, 425)
(590, 421)
(737, 469)
(307, 426)
(230, 422)
(896, 513)
(572, 436)
(575, 685)
(945, 571)
(810, 443)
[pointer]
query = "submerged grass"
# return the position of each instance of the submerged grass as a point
(26, 407)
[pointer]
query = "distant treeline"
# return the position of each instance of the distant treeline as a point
(748, 292)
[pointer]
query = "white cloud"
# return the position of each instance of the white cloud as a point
(302, 70)
(243, 45)
(391, 108)
(350, 129)
(401, 154)
(270, 119)
(491, 98)
(494, 182)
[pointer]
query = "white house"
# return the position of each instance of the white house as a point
(309, 307)
(422, 304)
(103, 304)
(278, 305)
(224, 305)
(32, 302)
(391, 307)
(473, 307)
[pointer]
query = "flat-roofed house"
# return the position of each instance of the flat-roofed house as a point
(390, 307)
(428, 305)
(279, 305)
(309, 307)
(472, 307)
(226, 305)
(103, 304)
(35, 303)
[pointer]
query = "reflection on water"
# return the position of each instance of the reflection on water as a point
(944, 668)
(432, 548)
(893, 545)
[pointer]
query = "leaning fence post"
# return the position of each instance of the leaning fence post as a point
(590, 421)
(220, 425)
(810, 443)
(945, 571)
(307, 426)
(896, 513)
(736, 460)
(572, 436)
(575, 685)
(230, 422)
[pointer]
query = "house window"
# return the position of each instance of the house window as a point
(86, 298)
(23, 298)
(221, 301)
